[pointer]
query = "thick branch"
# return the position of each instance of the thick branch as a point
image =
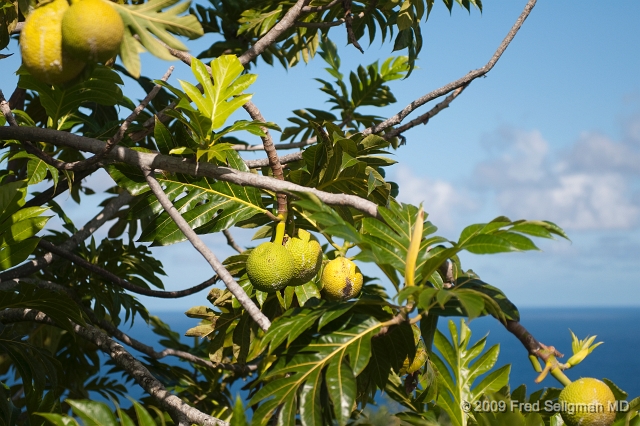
(287, 21)
(202, 248)
(396, 119)
(272, 154)
(174, 405)
(180, 165)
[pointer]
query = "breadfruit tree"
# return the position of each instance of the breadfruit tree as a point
(292, 325)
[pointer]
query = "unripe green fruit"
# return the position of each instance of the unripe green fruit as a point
(307, 257)
(92, 30)
(41, 45)
(270, 267)
(341, 280)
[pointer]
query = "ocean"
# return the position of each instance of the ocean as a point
(617, 359)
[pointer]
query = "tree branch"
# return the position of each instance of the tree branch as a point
(122, 282)
(396, 119)
(272, 154)
(291, 145)
(111, 143)
(424, 118)
(123, 337)
(181, 165)
(232, 243)
(109, 211)
(55, 190)
(312, 9)
(202, 248)
(287, 21)
(6, 111)
(174, 405)
(264, 162)
(530, 343)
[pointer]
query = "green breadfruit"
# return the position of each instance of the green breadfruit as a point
(307, 256)
(270, 267)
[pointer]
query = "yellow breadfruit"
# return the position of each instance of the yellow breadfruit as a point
(270, 267)
(420, 357)
(41, 45)
(341, 279)
(587, 401)
(307, 257)
(92, 30)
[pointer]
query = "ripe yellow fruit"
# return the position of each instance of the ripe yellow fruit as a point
(307, 257)
(587, 401)
(270, 267)
(41, 45)
(420, 357)
(341, 279)
(92, 30)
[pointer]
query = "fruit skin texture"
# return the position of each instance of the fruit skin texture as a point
(341, 279)
(41, 45)
(307, 257)
(270, 267)
(92, 30)
(596, 394)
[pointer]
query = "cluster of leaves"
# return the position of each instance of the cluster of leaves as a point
(18, 226)
(368, 87)
(243, 23)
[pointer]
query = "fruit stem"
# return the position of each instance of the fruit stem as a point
(560, 376)
(280, 228)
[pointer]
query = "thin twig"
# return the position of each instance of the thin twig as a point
(62, 185)
(272, 154)
(348, 19)
(397, 119)
(18, 28)
(232, 243)
(312, 9)
(202, 248)
(6, 111)
(122, 282)
(174, 405)
(123, 337)
(264, 162)
(287, 21)
(181, 165)
(321, 25)
(291, 145)
(424, 118)
(107, 213)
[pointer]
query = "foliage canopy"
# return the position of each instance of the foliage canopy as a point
(294, 356)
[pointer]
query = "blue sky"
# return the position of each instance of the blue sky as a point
(552, 132)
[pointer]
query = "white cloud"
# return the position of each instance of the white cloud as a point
(440, 198)
(587, 187)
